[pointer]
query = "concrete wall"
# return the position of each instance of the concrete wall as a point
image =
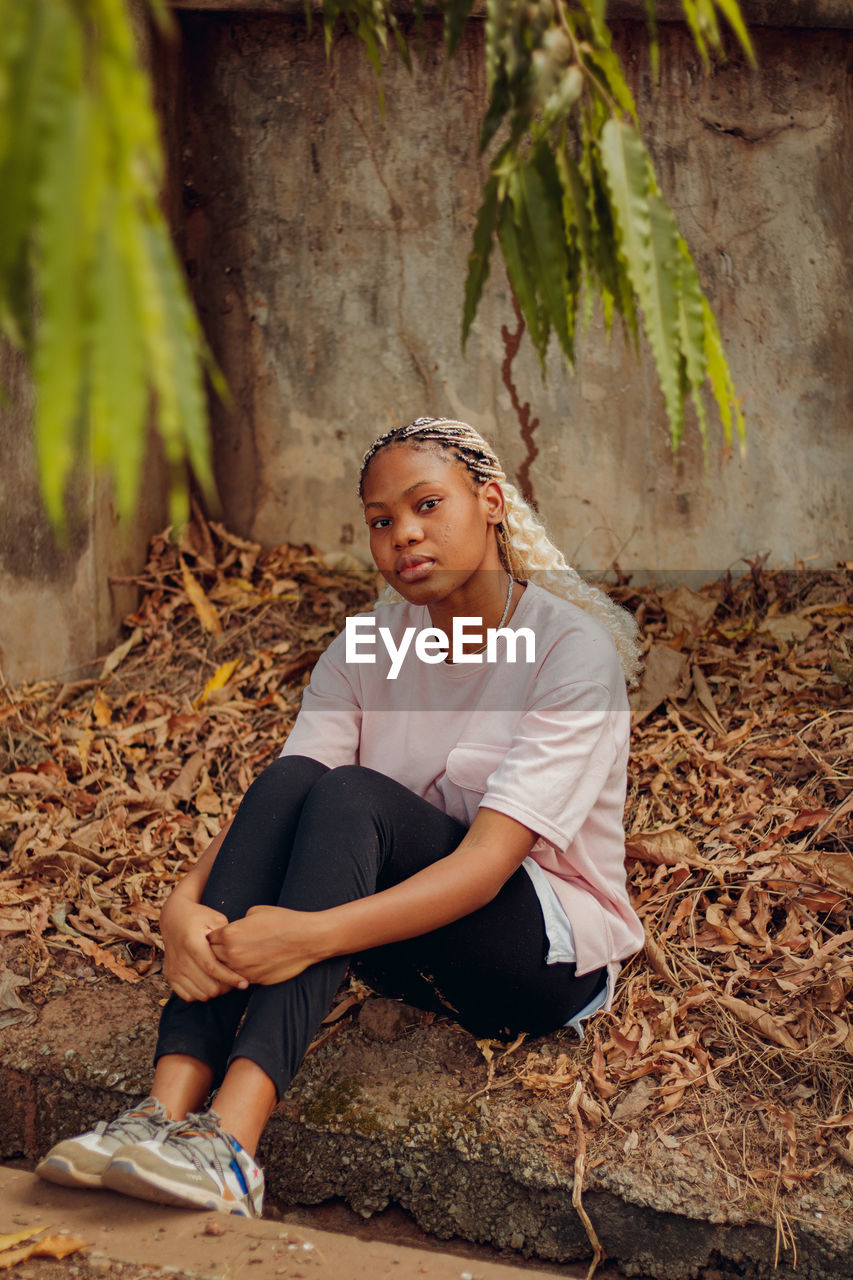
(59, 607)
(327, 248)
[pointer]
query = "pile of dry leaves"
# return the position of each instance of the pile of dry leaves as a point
(739, 818)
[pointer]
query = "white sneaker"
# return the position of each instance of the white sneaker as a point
(81, 1161)
(194, 1163)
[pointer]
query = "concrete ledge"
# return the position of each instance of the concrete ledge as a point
(391, 1109)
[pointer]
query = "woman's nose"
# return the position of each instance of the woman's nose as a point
(406, 532)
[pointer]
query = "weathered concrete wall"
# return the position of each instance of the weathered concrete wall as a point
(58, 606)
(328, 248)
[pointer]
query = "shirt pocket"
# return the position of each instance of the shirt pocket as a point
(470, 765)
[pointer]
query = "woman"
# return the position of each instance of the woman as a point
(447, 810)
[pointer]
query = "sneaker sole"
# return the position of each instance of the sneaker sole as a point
(64, 1173)
(124, 1176)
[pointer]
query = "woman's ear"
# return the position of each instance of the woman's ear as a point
(492, 497)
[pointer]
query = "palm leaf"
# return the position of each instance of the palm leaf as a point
(478, 259)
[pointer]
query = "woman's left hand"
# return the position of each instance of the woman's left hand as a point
(269, 944)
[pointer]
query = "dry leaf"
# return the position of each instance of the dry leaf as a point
(12, 1008)
(106, 958)
(101, 710)
(668, 846)
(687, 611)
(706, 698)
(207, 615)
(788, 627)
(84, 745)
(759, 1020)
(206, 799)
(11, 1238)
(182, 787)
(49, 1247)
(120, 652)
(631, 1142)
(665, 675)
(341, 1008)
(635, 1101)
(218, 680)
(836, 865)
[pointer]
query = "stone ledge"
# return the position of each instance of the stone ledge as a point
(392, 1110)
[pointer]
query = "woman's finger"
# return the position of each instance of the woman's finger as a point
(202, 975)
(213, 967)
(198, 957)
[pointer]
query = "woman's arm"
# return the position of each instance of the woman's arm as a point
(189, 965)
(192, 885)
(272, 943)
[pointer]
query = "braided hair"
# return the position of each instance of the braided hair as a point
(524, 548)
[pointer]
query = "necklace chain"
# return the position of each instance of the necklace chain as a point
(503, 615)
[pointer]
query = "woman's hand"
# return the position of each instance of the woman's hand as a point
(270, 944)
(190, 966)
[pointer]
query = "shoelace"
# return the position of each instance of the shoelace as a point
(131, 1123)
(184, 1135)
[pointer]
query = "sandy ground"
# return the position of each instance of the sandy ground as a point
(132, 1240)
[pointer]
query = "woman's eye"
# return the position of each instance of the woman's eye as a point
(379, 524)
(429, 503)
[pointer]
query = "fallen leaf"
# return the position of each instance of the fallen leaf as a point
(631, 1142)
(688, 611)
(667, 1139)
(120, 652)
(664, 676)
(12, 1008)
(206, 799)
(182, 787)
(218, 680)
(12, 1238)
(602, 1084)
(634, 1101)
(789, 626)
(207, 615)
(759, 1020)
(657, 959)
(341, 1008)
(101, 710)
(706, 698)
(667, 846)
(49, 1247)
(105, 958)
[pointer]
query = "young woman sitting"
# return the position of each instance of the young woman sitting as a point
(446, 816)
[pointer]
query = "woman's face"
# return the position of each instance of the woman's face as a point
(430, 527)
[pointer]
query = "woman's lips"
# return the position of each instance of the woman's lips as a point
(414, 570)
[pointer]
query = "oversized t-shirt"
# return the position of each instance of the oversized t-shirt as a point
(543, 741)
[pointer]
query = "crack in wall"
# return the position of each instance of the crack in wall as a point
(527, 425)
(396, 215)
(736, 131)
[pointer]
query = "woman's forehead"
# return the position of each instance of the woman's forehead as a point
(395, 466)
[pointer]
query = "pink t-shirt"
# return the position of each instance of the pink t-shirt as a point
(545, 742)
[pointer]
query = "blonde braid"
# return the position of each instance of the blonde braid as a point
(525, 550)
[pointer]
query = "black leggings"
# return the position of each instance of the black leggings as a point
(309, 838)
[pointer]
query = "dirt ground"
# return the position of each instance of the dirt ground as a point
(130, 1240)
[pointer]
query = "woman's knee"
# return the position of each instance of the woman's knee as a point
(287, 776)
(350, 786)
